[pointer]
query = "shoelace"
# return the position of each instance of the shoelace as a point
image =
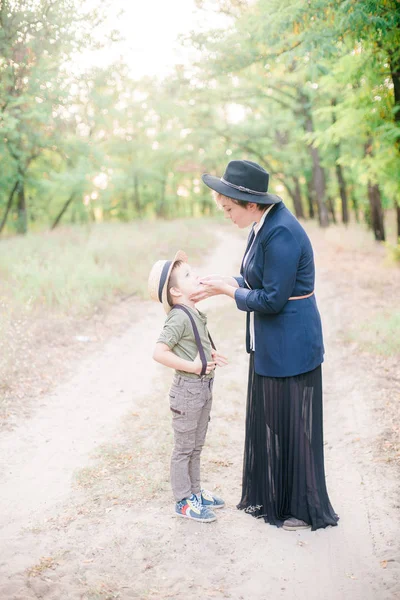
(207, 493)
(195, 501)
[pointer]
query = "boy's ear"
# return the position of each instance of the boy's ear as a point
(175, 292)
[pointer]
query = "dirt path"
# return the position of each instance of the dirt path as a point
(85, 504)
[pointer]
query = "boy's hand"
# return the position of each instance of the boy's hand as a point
(197, 366)
(219, 359)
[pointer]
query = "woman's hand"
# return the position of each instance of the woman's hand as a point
(197, 366)
(212, 285)
(219, 359)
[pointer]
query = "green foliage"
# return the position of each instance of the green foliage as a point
(394, 251)
(307, 89)
(380, 335)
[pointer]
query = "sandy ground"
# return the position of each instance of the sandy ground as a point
(86, 510)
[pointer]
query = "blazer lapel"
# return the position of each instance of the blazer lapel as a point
(249, 242)
(243, 270)
(250, 256)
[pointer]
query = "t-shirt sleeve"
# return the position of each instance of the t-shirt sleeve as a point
(173, 330)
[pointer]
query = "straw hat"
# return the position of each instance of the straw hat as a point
(159, 277)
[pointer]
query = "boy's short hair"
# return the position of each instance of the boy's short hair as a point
(172, 282)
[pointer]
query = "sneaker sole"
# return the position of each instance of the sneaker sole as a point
(210, 520)
(295, 528)
(214, 506)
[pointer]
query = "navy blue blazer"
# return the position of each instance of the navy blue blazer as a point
(288, 333)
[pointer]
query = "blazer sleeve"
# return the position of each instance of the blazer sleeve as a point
(240, 281)
(281, 258)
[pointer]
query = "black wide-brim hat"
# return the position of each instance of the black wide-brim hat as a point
(243, 180)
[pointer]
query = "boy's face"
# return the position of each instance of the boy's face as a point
(186, 280)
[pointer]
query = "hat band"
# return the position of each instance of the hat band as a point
(243, 189)
(164, 274)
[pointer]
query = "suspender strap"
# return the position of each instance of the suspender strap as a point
(197, 338)
(211, 341)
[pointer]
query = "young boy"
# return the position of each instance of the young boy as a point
(184, 345)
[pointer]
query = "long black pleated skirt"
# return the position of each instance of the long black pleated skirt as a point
(283, 467)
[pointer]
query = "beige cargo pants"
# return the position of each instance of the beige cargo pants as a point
(190, 403)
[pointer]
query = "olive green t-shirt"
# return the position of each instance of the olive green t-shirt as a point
(178, 335)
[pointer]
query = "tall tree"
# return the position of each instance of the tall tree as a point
(36, 40)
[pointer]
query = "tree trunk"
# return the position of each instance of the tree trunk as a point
(22, 220)
(394, 62)
(205, 205)
(354, 202)
(375, 204)
(310, 199)
(339, 175)
(136, 194)
(161, 206)
(343, 193)
(319, 180)
(62, 211)
(297, 201)
(332, 209)
(9, 203)
(398, 220)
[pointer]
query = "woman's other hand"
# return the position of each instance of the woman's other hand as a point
(219, 359)
(197, 366)
(212, 285)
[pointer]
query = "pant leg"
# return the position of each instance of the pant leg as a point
(201, 431)
(184, 424)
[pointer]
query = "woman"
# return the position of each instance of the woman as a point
(283, 472)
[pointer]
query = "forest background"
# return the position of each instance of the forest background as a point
(310, 90)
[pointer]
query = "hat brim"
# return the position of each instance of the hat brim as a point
(180, 255)
(219, 186)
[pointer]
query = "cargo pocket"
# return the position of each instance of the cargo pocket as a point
(195, 398)
(177, 403)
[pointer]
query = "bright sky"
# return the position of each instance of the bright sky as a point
(150, 29)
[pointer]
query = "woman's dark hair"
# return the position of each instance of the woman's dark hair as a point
(241, 203)
(244, 204)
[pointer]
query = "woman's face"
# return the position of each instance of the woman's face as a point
(241, 216)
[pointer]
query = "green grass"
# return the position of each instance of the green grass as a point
(394, 251)
(74, 269)
(52, 283)
(380, 335)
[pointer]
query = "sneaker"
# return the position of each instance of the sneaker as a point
(293, 524)
(190, 508)
(210, 501)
